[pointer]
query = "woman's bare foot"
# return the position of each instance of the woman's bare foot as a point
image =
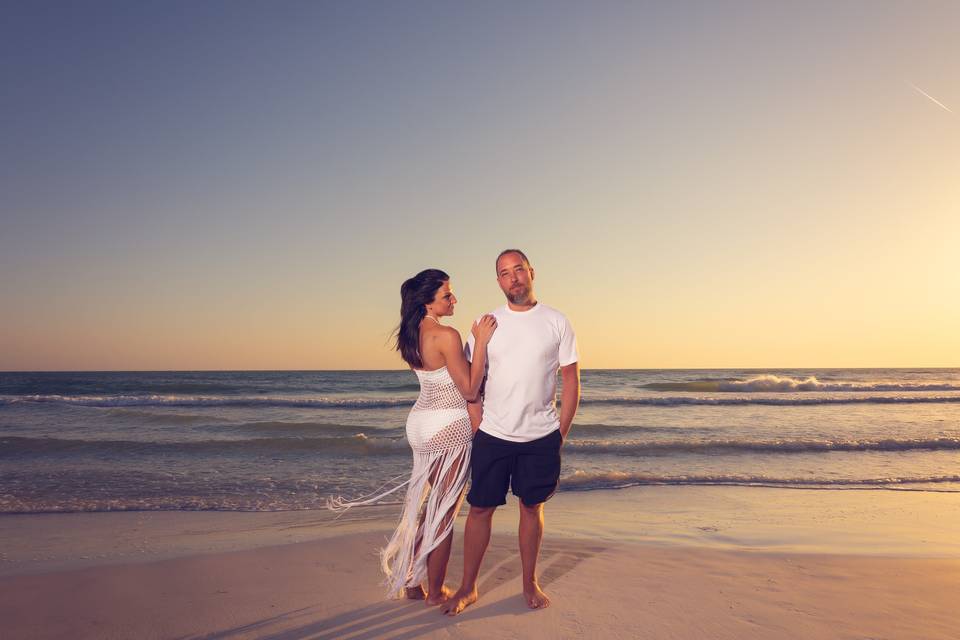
(535, 597)
(460, 601)
(416, 593)
(439, 597)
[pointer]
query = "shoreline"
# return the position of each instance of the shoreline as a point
(763, 519)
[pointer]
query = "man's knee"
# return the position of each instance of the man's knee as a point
(532, 510)
(481, 512)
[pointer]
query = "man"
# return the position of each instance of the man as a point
(518, 442)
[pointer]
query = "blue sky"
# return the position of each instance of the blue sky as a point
(245, 185)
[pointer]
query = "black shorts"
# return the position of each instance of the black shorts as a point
(530, 469)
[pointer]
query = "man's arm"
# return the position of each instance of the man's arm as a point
(569, 396)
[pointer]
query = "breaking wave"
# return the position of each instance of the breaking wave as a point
(771, 383)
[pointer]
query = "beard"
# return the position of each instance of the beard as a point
(519, 295)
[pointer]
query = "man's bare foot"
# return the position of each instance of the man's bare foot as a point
(416, 593)
(535, 597)
(439, 597)
(460, 601)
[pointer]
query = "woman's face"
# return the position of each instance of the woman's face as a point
(443, 301)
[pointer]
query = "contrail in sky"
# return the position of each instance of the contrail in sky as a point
(934, 100)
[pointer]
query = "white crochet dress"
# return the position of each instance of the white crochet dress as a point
(438, 430)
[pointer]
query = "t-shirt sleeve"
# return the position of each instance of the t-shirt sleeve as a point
(568, 343)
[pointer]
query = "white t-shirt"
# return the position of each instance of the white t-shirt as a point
(523, 357)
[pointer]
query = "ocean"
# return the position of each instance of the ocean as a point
(288, 440)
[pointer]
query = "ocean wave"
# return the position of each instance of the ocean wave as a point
(772, 383)
(319, 429)
(357, 444)
(680, 401)
(392, 442)
(129, 492)
(583, 481)
(412, 386)
(89, 491)
(760, 446)
(212, 401)
(70, 491)
(394, 402)
(141, 417)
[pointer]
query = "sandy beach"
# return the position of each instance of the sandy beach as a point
(651, 562)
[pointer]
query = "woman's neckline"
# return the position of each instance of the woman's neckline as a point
(431, 370)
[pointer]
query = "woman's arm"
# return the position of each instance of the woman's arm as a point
(475, 411)
(468, 376)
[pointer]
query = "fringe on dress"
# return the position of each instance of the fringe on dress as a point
(438, 430)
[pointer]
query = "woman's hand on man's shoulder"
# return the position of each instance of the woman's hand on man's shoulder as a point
(484, 327)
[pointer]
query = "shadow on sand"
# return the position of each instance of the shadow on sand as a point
(407, 619)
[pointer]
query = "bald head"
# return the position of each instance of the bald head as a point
(505, 252)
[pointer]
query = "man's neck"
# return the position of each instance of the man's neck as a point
(525, 306)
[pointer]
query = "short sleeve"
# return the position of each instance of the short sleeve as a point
(568, 343)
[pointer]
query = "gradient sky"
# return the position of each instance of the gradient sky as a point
(241, 185)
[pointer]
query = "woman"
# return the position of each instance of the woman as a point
(439, 432)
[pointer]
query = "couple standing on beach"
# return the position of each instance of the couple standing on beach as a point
(487, 411)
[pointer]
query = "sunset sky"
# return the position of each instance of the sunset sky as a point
(244, 185)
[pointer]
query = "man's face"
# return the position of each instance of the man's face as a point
(515, 278)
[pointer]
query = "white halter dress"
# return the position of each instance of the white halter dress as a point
(438, 430)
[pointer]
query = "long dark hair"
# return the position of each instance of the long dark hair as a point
(415, 294)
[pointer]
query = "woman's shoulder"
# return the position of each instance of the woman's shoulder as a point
(440, 340)
(442, 332)
(450, 333)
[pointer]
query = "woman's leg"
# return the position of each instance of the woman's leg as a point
(438, 559)
(416, 592)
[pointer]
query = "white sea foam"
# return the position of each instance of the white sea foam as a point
(784, 384)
